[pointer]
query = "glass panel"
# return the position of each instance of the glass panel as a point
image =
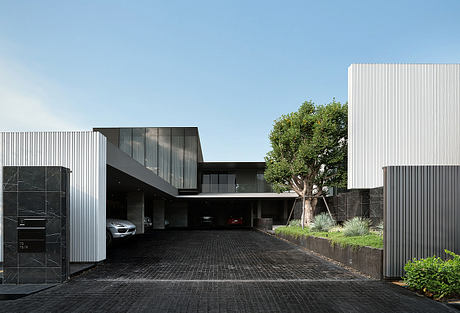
(125, 140)
(190, 162)
(246, 181)
(206, 184)
(223, 186)
(231, 181)
(260, 182)
(214, 183)
(164, 154)
(177, 166)
(139, 145)
(151, 149)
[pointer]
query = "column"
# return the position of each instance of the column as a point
(285, 210)
(158, 219)
(135, 208)
(259, 209)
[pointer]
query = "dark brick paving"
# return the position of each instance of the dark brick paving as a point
(219, 271)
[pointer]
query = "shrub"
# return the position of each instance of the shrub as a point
(336, 229)
(434, 277)
(322, 222)
(357, 226)
(294, 223)
(378, 229)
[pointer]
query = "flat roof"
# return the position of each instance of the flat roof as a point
(241, 195)
(231, 165)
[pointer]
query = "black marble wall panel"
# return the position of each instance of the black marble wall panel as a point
(376, 205)
(366, 203)
(36, 192)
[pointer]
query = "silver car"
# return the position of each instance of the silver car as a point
(116, 228)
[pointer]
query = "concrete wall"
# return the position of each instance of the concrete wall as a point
(84, 153)
(135, 210)
(401, 114)
(158, 219)
(177, 214)
(365, 259)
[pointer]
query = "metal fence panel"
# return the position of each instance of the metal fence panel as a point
(421, 214)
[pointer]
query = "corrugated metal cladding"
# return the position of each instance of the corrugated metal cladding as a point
(421, 214)
(401, 114)
(84, 153)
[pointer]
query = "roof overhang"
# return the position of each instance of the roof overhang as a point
(260, 195)
(127, 165)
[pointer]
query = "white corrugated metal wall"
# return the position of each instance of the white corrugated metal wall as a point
(401, 114)
(84, 153)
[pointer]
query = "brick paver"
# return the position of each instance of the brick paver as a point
(219, 271)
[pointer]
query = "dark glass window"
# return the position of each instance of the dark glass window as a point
(244, 181)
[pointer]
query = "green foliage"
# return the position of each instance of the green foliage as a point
(309, 147)
(370, 240)
(357, 226)
(294, 223)
(322, 222)
(434, 276)
(379, 228)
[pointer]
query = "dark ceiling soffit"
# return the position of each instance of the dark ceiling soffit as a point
(124, 163)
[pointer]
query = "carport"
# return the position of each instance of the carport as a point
(133, 190)
(248, 206)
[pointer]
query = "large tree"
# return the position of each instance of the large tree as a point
(309, 153)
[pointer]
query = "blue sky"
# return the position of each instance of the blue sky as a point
(228, 67)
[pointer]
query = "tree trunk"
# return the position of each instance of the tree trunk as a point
(309, 208)
(302, 216)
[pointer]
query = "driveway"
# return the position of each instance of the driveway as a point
(219, 271)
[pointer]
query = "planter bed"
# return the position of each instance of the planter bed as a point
(367, 260)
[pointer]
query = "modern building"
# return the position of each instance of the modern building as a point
(403, 165)
(404, 136)
(131, 173)
(401, 114)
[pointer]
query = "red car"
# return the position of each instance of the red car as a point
(235, 221)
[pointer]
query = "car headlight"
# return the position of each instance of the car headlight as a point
(117, 224)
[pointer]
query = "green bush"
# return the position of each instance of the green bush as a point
(357, 226)
(434, 276)
(294, 223)
(336, 237)
(322, 222)
(379, 228)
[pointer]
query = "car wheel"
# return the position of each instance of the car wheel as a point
(108, 238)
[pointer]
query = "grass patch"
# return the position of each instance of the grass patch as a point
(371, 240)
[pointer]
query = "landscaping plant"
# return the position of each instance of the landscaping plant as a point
(322, 222)
(309, 153)
(335, 237)
(357, 226)
(379, 228)
(294, 223)
(434, 276)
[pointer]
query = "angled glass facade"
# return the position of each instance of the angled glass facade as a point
(172, 153)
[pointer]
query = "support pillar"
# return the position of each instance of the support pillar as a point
(285, 210)
(252, 214)
(135, 210)
(158, 219)
(259, 209)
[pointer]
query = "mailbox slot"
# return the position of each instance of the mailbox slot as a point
(31, 235)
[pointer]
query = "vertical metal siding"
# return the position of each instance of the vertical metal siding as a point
(401, 114)
(421, 214)
(84, 153)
